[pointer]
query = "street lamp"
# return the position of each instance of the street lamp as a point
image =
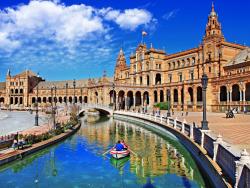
(168, 96)
(204, 122)
(36, 116)
(114, 106)
(74, 85)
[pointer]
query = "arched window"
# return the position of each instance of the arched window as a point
(223, 93)
(158, 79)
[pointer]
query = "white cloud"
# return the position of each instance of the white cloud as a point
(130, 18)
(7, 44)
(68, 25)
(53, 20)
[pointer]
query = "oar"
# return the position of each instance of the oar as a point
(132, 152)
(107, 151)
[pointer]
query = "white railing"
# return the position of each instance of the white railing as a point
(234, 164)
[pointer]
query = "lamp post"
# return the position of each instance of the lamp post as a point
(114, 106)
(36, 116)
(204, 122)
(74, 85)
(168, 96)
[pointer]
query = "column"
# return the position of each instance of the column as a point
(241, 95)
(194, 99)
(134, 100)
(125, 98)
(244, 99)
(142, 102)
(179, 99)
(117, 102)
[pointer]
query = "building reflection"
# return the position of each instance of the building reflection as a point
(155, 156)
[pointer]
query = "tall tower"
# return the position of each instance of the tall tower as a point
(213, 27)
(120, 64)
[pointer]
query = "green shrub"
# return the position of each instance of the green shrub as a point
(162, 105)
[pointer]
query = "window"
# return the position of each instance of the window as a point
(140, 80)
(180, 77)
(210, 69)
(134, 80)
(134, 68)
(159, 66)
(170, 78)
(191, 76)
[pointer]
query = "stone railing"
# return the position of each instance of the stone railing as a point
(234, 164)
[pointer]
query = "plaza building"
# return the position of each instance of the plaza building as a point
(152, 76)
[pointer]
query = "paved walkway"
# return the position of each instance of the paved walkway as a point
(233, 130)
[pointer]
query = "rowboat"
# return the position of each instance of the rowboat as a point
(119, 154)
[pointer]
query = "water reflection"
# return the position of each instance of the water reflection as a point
(156, 156)
(78, 161)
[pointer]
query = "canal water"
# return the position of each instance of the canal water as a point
(159, 160)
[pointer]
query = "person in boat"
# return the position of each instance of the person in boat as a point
(125, 146)
(119, 146)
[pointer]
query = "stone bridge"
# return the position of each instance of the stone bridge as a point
(103, 109)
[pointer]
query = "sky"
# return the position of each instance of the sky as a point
(78, 39)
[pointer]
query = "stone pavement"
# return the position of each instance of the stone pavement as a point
(235, 131)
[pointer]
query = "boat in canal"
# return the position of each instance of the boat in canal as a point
(119, 154)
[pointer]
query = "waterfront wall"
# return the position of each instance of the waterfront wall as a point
(19, 154)
(224, 166)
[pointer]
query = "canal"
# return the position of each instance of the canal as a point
(159, 160)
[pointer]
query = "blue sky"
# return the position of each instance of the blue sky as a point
(67, 39)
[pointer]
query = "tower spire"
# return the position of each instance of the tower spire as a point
(213, 27)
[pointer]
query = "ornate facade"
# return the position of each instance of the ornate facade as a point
(150, 76)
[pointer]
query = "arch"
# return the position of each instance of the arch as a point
(1, 100)
(50, 100)
(39, 100)
(60, 100)
(16, 100)
(21, 91)
(157, 79)
(85, 99)
(121, 100)
(44, 100)
(70, 99)
(130, 99)
(21, 100)
(112, 96)
(75, 99)
(138, 101)
(191, 94)
(65, 99)
(12, 91)
(247, 92)
(235, 92)
(199, 94)
(33, 100)
(96, 97)
(161, 96)
(175, 95)
(55, 100)
(16, 90)
(148, 80)
(11, 100)
(80, 99)
(155, 97)
(145, 98)
(223, 93)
